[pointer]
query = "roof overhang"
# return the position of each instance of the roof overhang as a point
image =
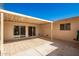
(23, 18)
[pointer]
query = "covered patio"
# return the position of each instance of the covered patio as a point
(17, 40)
(19, 26)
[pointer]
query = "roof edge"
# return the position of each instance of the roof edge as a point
(6, 11)
(67, 18)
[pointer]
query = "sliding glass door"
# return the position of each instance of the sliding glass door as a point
(78, 35)
(21, 31)
(34, 31)
(31, 31)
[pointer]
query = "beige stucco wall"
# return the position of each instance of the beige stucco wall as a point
(9, 28)
(68, 35)
(45, 30)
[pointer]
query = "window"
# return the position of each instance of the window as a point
(65, 26)
(16, 30)
(61, 26)
(19, 30)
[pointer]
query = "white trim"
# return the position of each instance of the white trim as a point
(5, 11)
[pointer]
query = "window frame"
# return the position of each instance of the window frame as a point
(66, 26)
(19, 30)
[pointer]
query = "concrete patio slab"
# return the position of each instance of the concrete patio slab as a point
(41, 47)
(45, 49)
(41, 50)
(30, 52)
(65, 48)
(19, 46)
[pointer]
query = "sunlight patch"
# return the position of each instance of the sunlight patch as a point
(45, 49)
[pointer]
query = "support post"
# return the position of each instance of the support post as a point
(51, 30)
(2, 37)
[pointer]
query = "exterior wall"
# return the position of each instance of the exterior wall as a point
(45, 30)
(9, 28)
(68, 35)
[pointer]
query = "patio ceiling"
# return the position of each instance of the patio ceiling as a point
(15, 17)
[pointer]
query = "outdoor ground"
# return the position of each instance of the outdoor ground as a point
(41, 47)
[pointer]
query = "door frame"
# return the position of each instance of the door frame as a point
(33, 30)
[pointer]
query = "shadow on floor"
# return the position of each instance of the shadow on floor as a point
(64, 49)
